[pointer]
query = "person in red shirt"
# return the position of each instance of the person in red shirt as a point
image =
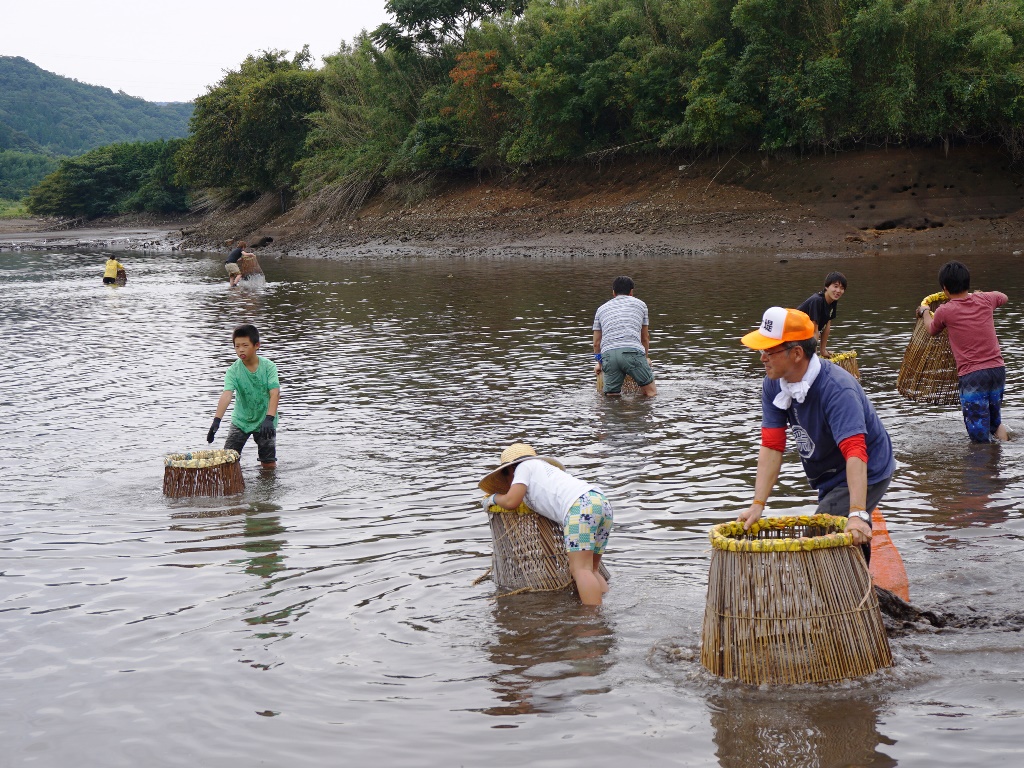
(972, 336)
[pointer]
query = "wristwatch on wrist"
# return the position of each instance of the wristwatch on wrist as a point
(861, 514)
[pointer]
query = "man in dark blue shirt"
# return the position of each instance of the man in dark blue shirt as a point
(846, 452)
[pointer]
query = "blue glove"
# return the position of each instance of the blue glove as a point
(267, 429)
(488, 502)
(213, 430)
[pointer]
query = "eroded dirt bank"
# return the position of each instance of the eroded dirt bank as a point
(850, 202)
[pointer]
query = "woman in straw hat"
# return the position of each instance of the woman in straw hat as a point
(579, 507)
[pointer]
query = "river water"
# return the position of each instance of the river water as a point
(330, 615)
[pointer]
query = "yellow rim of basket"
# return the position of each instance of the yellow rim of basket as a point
(200, 459)
(724, 536)
(932, 298)
(842, 356)
(522, 509)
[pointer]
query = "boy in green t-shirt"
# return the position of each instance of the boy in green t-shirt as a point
(254, 380)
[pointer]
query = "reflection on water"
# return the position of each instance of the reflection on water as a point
(547, 650)
(807, 730)
(337, 594)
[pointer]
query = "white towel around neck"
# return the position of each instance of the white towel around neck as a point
(797, 390)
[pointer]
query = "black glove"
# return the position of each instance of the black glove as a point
(267, 427)
(213, 429)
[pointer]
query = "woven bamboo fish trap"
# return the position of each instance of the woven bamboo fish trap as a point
(249, 265)
(122, 277)
(203, 473)
(529, 551)
(791, 601)
(928, 373)
(847, 361)
(629, 385)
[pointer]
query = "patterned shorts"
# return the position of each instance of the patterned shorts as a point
(588, 523)
(981, 399)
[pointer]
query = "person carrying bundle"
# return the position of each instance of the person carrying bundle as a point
(110, 271)
(968, 318)
(846, 452)
(822, 307)
(622, 340)
(254, 380)
(580, 508)
(231, 263)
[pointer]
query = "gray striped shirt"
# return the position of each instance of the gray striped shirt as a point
(620, 321)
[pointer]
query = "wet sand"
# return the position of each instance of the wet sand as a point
(39, 234)
(855, 203)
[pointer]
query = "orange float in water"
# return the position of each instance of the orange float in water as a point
(886, 564)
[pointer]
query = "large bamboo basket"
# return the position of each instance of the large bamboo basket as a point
(529, 551)
(791, 601)
(122, 277)
(203, 473)
(629, 385)
(249, 265)
(847, 361)
(928, 373)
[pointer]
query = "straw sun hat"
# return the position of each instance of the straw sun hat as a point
(514, 454)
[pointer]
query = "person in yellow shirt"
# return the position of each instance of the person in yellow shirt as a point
(110, 271)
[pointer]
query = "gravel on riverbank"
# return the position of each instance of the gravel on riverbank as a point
(849, 203)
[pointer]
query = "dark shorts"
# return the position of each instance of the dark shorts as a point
(837, 502)
(109, 280)
(266, 448)
(981, 399)
(619, 363)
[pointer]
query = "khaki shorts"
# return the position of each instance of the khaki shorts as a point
(232, 269)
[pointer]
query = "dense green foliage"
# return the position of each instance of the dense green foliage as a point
(66, 117)
(249, 130)
(456, 86)
(434, 23)
(566, 79)
(20, 171)
(12, 139)
(115, 179)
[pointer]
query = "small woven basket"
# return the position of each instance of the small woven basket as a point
(122, 277)
(629, 385)
(203, 473)
(928, 373)
(847, 361)
(249, 265)
(529, 551)
(791, 601)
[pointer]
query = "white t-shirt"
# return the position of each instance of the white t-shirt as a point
(620, 322)
(549, 491)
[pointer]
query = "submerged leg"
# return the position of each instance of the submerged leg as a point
(588, 583)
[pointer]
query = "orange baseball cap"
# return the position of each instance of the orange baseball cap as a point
(779, 326)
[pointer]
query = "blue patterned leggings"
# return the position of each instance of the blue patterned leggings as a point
(981, 399)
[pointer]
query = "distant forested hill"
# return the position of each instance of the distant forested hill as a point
(62, 116)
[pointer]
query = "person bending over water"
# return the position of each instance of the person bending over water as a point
(846, 452)
(579, 507)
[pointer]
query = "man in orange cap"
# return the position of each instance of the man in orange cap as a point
(845, 450)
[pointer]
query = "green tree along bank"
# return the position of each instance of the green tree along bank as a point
(561, 80)
(118, 178)
(248, 132)
(20, 171)
(475, 86)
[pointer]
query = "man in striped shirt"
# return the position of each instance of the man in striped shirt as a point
(622, 340)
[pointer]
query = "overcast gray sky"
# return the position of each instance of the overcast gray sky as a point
(171, 51)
